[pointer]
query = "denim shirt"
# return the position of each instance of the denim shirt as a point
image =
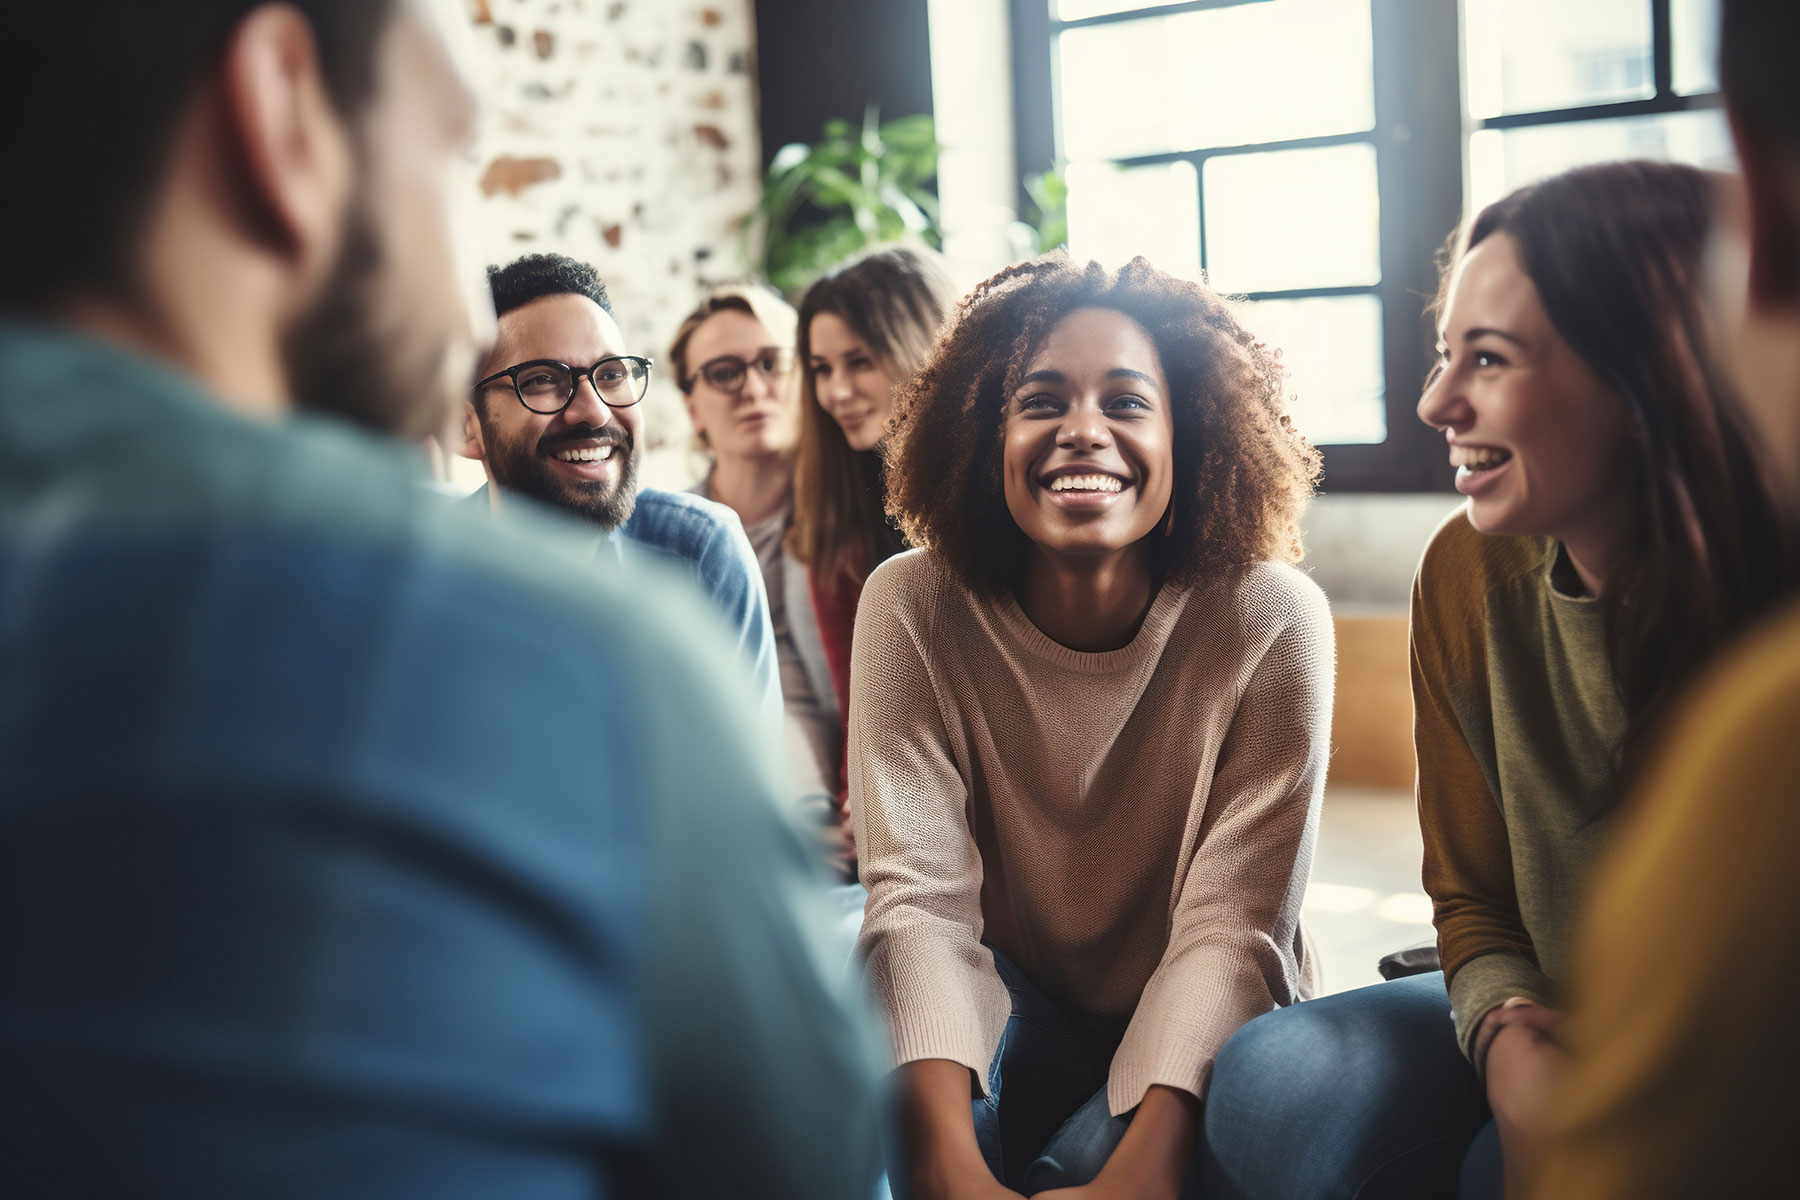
(704, 540)
(709, 539)
(351, 847)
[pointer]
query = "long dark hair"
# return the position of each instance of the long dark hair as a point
(1616, 252)
(894, 298)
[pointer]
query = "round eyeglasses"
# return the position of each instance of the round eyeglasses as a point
(546, 386)
(728, 372)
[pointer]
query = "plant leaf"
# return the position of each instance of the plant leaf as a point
(855, 186)
(910, 133)
(835, 189)
(1049, 193)
(809, 251)
(789, 157)
(908, 211)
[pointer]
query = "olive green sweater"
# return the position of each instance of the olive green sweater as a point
(1516, 718)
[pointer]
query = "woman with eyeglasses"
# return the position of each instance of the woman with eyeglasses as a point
(866, 326)
(733, 359)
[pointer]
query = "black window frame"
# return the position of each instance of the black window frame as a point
(1420, 148)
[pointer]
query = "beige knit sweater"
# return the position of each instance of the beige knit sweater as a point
(1133, 828)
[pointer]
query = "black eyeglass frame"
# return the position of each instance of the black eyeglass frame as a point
(786, 357)
(576, 375)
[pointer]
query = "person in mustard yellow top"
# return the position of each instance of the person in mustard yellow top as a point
(1619, 528)
(1683, 1037)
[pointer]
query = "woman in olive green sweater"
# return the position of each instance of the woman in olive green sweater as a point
(1619, 528)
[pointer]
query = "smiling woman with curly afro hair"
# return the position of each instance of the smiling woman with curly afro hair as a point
(1242, 472)
(1089, 722)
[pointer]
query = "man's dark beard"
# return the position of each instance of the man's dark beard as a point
(350, 358)
(522, 467)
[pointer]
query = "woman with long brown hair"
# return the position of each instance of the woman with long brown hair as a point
(1620, 528)
(865, 327)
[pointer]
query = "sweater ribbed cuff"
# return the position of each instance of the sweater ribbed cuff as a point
(1188, 1012)
(1485, 983)
(941, 999)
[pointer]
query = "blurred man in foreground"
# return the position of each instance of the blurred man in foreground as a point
(347, 848)
(1686, 1047)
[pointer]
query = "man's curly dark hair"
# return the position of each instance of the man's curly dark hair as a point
(1242, 471)
(534, 276)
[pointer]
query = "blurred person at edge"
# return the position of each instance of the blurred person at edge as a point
(1683, 1039)
(554, 416)
(733, 359)
(866, 327)
(346, 847)
(1620, 527)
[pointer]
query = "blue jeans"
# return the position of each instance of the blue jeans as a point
(1364, 1094)
(1045, 1122)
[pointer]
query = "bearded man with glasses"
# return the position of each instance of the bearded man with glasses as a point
(554, 417)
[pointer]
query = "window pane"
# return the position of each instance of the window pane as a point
(1333, 355)
(1075, 10)
(1695, 27)
(1218, 77)
(1500, 161)
(1293, 219)
(1116, 215)
(1530, 55)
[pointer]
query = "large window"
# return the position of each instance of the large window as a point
(1312, 155)
(1550, 85)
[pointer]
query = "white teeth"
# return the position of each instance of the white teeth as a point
(1086, 483)
(1477, 458)
(586, 454)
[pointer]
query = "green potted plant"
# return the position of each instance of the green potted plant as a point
(855, 187)
(1044, 226)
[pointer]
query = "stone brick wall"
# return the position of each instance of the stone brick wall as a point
(623, 132)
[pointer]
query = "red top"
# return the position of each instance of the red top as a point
(835, 609)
